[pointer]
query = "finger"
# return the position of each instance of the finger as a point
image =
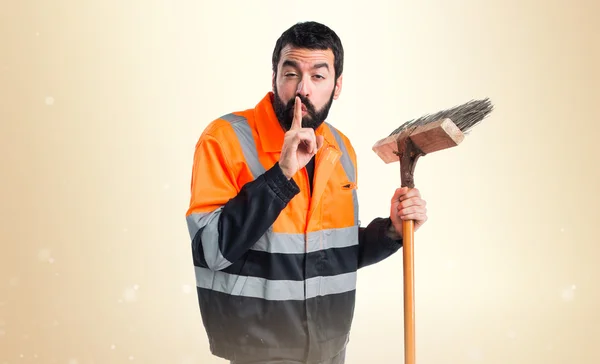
(410, 193)
(297, 120)
(398, 193)
(309, 146)
(413, 201)
(421, 218)
(307, 137)
(412, 210)
(290, 145)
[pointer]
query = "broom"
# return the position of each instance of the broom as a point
(406, 144)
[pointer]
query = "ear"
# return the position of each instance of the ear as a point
(338, 87)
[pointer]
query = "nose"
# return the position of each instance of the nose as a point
(303, 88)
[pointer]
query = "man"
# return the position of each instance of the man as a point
(273, 215)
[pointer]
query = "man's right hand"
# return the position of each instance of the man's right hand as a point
(299, 145)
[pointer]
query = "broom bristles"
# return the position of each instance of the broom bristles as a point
(464, 116)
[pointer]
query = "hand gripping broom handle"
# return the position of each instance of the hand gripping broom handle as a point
(408, 153)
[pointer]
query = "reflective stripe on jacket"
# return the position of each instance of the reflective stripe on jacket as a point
(275, 261)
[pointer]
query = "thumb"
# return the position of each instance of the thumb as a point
(320, 141)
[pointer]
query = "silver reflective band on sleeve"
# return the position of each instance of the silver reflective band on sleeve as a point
(274, 290)
(348, 167)
(285, 243)
(210, 237)
(244, 134)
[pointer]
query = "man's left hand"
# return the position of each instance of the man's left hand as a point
(407, 204)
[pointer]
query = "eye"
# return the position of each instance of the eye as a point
(290, 74)
(320, 76)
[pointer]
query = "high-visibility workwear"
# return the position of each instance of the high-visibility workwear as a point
(276, 260)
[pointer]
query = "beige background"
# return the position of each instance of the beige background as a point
(101, 103)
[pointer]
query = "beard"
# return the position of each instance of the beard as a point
(313, 118)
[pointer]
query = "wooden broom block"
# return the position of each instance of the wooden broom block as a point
(430, 138)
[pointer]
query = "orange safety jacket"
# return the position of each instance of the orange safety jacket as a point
(276, 259)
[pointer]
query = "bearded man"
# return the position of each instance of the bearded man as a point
(274, 220)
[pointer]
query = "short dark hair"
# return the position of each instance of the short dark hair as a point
(311, 35)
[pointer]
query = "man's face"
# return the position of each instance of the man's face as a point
(309, 74)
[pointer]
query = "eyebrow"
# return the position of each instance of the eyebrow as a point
(294, 64)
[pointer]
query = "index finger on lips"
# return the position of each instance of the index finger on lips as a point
(297, 121)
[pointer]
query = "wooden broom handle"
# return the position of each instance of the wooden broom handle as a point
(409, 289)
(409, 153)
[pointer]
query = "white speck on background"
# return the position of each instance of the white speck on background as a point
(186, 288)
(562, 230)
(113, 347)
(49, 100)
(130, 295)
(568, 294)
(125, 230)
(73, 361)
(2, 332)
(136, 286)
(166, 186)
(131, 357)
(44, 255)
(22, 355)
(37, 34)
(14, 281)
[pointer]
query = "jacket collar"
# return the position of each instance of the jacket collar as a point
(270, 132)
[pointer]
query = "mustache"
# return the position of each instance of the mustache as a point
(310, 108)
